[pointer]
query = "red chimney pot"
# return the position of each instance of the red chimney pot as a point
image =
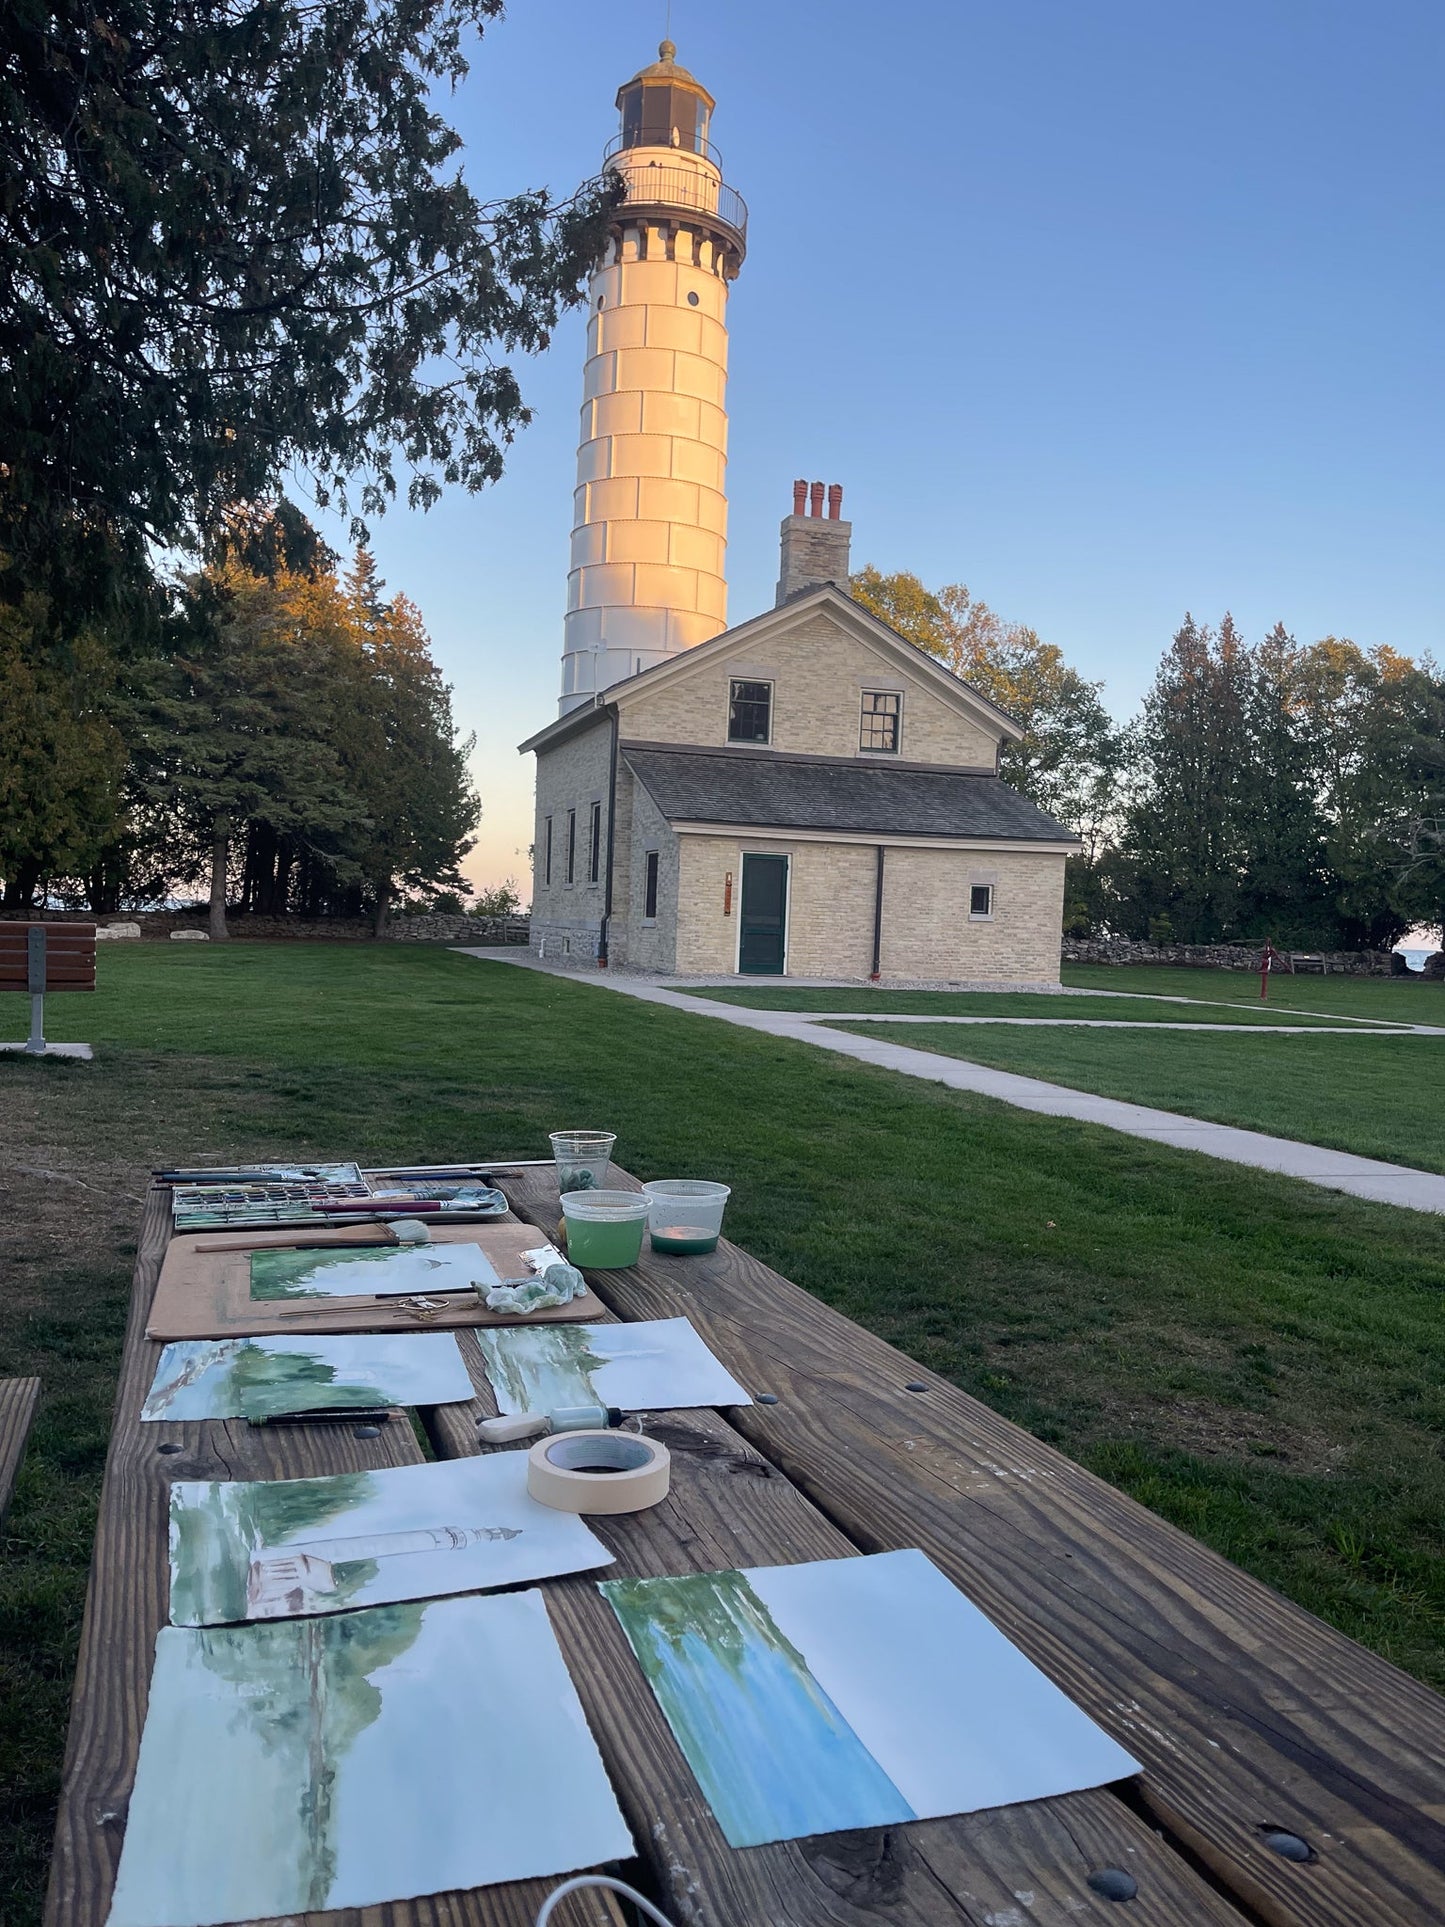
(835, 501)
(800, 497)
(815, 499)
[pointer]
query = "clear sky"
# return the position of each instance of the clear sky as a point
(1109, 308)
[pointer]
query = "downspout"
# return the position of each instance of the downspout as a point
(878, 920)
(605, 933)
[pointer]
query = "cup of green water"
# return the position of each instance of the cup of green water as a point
(582, 1158)
(684, 1215)
(604, 1228)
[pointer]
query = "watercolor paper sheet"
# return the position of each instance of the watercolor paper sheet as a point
(363, 1272)
(656, 1365)
(308, 1764)
(261, 1377)
(852, 1693)
(280, 1547)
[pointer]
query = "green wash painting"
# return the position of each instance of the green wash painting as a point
(284, 1547)
(279, 1765)
(363, 1272)
(263, 1377)
(654, 1364)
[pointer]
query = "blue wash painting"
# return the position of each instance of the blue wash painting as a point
(771, 1751)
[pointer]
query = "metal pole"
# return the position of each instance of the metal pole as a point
(35, 963)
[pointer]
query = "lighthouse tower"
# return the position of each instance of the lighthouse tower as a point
(650, 520)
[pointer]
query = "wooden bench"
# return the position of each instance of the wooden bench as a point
(37, 958)
(18, 1400)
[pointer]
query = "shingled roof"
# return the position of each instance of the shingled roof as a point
(767, 790)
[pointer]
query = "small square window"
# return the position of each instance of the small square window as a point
(980, 900)
(881, 718)
(750, 712)
(649, 893)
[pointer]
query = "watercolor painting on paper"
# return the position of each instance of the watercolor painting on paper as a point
(365, 1272)
(278, 1770)
(261, 1377)
(655, 1365)
(275, 1548)
(852, 1693)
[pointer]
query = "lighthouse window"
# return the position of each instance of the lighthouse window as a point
(750, 712)
(691, 300)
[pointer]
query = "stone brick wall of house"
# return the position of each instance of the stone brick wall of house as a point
(818, 673)
(567, 918)
(830, 905)
(928, 933)
(647, 944)
(1215, 956)
(156, 926)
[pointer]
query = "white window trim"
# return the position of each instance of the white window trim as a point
(981, 916)
(870, 689)
(728, 712)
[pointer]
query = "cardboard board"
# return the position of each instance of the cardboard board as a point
(204, 1292)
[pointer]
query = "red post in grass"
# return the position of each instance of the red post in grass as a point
(1266, 963)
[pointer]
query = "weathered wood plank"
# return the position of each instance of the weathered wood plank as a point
(18, 1400)
(728, 1506)
(1248, 1713)
(126, 1606)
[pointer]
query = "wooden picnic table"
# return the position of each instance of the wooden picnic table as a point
(1255, 1723)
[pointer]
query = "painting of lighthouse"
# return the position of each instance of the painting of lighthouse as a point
(280, 1548)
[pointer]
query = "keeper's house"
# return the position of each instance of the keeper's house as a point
(804, 795)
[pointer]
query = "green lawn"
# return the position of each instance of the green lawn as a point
(1379, 1096)
(1259, 1361)
(1006, 1003)
(1391, 1000)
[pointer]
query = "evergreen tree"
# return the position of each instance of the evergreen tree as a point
(1284, 888)
(407, 764)
(1184, 844)
(62, 757)
(235, 240)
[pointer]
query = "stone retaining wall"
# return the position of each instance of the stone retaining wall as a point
(159, 925)
(1215, 956)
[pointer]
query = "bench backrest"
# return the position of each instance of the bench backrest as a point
(47, 956)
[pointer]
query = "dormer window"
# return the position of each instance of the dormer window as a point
(750, 712)
(881, 721)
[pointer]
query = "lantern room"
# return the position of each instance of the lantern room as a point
(663, 106)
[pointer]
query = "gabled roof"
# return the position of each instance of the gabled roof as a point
(770, 791)
(850, 615)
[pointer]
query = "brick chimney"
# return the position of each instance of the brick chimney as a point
(814, 545)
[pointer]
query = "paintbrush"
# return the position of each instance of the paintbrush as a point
(333, 1415)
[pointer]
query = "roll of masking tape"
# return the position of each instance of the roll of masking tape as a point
(598, 1472)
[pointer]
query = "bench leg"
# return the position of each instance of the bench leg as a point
(35, 1043)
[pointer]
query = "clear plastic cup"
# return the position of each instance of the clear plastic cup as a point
(582, 1159)
(684, 1215)
(604, 1228)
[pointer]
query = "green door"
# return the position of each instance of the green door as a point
(764, 916)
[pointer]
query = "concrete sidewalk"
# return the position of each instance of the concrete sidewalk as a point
(1333, 1170)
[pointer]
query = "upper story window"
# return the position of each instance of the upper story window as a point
(750, 712)
(980, 900)
(881, 721)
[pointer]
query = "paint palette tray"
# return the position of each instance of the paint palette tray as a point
(198, 1207)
